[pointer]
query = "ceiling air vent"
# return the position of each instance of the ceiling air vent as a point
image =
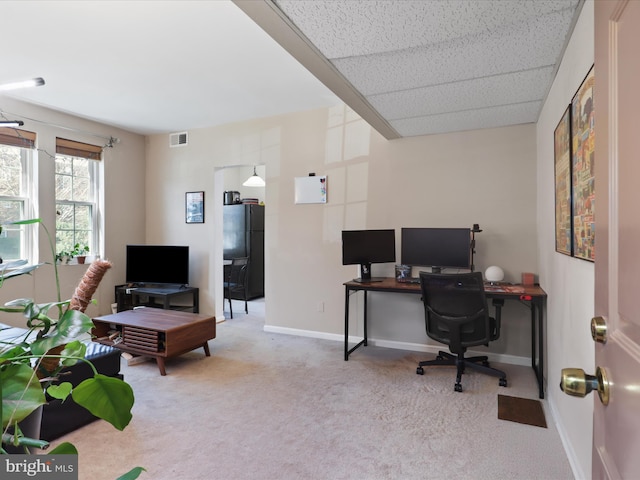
(178, 139)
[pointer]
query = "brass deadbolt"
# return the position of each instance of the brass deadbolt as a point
(599, 329)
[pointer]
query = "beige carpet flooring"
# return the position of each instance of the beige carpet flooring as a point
(279, 407)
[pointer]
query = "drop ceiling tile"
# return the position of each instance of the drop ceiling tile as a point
(519, 47)
(350, 28)
(484, 92)
(469, 120)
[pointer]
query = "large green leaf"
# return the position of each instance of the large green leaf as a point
(16, 268)
(108, 398)
(132, 474)
(21, 392)
(9, 351)
(71, 326)
(61, 391)
(64, 448)
(75, 349)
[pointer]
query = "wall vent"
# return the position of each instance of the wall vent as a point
(178, 139)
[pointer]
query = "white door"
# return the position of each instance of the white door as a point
(616, 439)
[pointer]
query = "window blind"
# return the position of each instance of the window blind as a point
(17, 138)
(78, 149)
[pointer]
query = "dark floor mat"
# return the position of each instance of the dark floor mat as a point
(521, 410)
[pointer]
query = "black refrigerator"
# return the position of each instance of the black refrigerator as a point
(243, 227)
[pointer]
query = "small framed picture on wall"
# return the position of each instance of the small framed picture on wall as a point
(194, 207)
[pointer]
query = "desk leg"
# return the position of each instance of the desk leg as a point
(537, 351)
(346, 324)
(348, 352)
(540, 350)
(365, 319)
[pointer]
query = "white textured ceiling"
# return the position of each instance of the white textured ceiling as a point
(432, 66)
(407, 67)
(151, 66)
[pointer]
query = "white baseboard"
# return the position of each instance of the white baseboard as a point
(578, 472)
(413, 347)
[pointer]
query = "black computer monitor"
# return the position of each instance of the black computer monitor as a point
(364, 247)
(437, 248)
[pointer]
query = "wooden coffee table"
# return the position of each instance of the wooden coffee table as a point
(155, 332)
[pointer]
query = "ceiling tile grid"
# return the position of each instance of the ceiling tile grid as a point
(425, 64)
(519, 47)
(502, 116)
(362, 27)
(478, 93)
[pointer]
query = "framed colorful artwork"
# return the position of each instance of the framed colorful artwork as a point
(562, 166)
(582, 169)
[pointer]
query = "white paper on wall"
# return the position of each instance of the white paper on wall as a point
(311, 189)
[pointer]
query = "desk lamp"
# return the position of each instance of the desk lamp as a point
(494, 274)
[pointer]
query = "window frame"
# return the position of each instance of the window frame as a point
(25, 142)
(93, 155)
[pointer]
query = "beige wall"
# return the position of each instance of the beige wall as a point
(485, 177)
(569, 282)
(124, 220)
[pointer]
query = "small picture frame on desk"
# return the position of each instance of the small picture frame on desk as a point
(194, 207)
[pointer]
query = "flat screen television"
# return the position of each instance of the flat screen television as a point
(437, 248)
(364, 247)
(157, 264)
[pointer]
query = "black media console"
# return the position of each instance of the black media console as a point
(169, 297)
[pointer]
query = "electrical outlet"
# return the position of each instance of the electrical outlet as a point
(320, 307)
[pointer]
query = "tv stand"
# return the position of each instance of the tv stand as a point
(158, 296)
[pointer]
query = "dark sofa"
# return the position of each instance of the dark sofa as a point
(60, 418)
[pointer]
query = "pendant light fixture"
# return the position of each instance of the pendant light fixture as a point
(254, 180)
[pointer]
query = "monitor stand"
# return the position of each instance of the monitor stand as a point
(365, 274)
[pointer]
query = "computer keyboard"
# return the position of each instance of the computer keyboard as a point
(410, 280)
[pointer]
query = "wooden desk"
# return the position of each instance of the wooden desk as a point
(155, 332)
(532, 297)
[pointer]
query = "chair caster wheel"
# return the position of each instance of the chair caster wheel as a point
(420, 371)
(457, 387)
(503, 382)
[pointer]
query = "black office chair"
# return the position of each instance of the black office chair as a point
(236, 282)
(456, 314)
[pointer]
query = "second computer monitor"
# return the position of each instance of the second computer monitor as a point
(437, 248)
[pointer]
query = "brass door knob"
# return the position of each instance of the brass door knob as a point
(599, 329)
(579, 384)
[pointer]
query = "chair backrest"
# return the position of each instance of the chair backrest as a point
(456, 311)
(238, 272)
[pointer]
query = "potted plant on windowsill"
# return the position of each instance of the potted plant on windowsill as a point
(58, 339)
(80, 252)
(63, 257)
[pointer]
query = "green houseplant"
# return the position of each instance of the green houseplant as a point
(78, 250)
(52, 337)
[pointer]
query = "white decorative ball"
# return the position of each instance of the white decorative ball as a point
(494, 274)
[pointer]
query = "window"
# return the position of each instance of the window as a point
(16, 157)
(77, 180)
